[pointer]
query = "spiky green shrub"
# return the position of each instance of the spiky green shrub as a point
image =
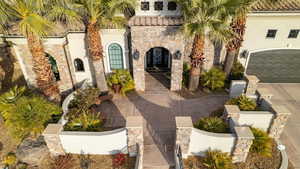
(10, 159)
(10, 97)
(244, 103)
(27, 116)
(87, 121)
(237, 71)
(123, 78)
(213, 79)
(215, 159)
(212, 124)
(262, 143)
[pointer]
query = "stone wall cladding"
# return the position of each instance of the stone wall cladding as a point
(243, 144)
(51, 136)
(282, 114)
(252, 85)
(55, 50)
(146, 37)
(184, 126)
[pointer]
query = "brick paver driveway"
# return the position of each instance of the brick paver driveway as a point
(289, 95)
(159, 110)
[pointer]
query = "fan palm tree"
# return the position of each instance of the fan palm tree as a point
(202, 18)
(94, 14)
(238, 26)
(28, 15)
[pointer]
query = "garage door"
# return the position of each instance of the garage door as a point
(275, 66)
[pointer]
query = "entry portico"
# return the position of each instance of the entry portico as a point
(148, 32)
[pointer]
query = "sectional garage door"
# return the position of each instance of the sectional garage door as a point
(275, 66)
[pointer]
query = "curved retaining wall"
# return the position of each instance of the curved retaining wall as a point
(110, 142)
(201, 141)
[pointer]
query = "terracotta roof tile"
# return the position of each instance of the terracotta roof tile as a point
(155, 21)
(281, 6)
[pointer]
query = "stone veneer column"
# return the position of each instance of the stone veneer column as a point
(279, 121)
(252, 85)
(51, 136)
(184, 126)
(231, 111)
(134, 126)
(243, 144)
(176, 76)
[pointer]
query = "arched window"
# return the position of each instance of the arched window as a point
(79, 66)
(54, 66)
(115, 54)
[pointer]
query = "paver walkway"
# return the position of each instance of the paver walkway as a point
(159, 110)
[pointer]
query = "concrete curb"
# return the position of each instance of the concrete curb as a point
(284, 157)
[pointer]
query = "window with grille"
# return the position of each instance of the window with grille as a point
(294, 33)
(271, 33)
(79, 66)
(145, 6)
(54, 67)
(159, 5)
(172, 6)
(115, 56)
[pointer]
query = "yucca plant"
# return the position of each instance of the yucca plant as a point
(212, 124)
(86, 121)
(213, 79)
(10, 97)
(123, 79)
(237, 71)
(262, 144)
(215, 159)
(244, 103)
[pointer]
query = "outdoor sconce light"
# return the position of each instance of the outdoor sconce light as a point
(177, 55)
(136, 54)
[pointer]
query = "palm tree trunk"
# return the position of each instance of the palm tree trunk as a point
(238, 27)
(197, 57)
(96, 54)
(42, 68)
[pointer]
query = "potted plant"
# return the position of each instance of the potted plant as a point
(121, 81)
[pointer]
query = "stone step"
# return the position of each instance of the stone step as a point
(155, 158)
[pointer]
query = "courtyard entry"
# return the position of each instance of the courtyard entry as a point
(158, 69)
(275, 66)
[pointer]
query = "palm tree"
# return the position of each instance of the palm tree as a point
(202, 18)
(238, 26)
(94, 14)
(29, 17)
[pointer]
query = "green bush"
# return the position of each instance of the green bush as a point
(28, 115)
(213, 79)
(10, 159)
(244, 103)
(123, 78)
(186, 74)
(262, 144)
(237, 71)
(87, 121)
(212, 124)
(215, 159)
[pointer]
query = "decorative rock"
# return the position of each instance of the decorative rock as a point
(32, 151)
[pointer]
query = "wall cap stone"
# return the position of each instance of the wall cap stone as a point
(134, 121)
(264, 92)
(232, 109)
(184, 121)
(252, 78)
(243, 132)
(280, 109)
(53, 129)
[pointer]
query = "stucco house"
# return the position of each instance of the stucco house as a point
(153, 42)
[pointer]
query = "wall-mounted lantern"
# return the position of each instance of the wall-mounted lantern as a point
(136, 54)
(177, 55)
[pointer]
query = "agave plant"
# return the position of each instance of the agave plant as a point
(215, 159)
(212, 124)
(244, 103)
(213, 79)
(262, 144)
(86, 121)
(12, 95)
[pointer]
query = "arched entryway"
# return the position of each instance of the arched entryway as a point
(158, 68)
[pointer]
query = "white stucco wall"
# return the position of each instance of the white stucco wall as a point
(78, 49)
(111, 142)
(152, 12)
(256, 30)
(201, 141)
(257, 119)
